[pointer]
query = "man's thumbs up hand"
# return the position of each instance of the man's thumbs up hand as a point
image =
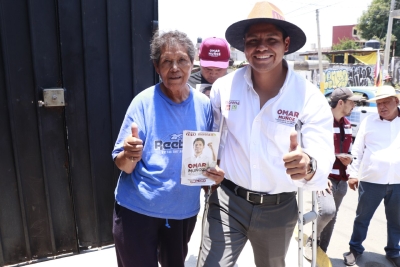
(293, 142)
(133, 145)
(296, 162)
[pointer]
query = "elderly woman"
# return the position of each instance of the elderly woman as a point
(154, 214)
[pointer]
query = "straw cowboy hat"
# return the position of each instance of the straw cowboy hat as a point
(383, 92)
(265, 12)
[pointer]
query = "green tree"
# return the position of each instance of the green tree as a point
(374, 22)
(345, 44)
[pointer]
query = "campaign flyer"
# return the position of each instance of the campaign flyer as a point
(344, 155)
(200, 151)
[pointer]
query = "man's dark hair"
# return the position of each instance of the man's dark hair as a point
(199, 139)
(333, 104)
(160, 40)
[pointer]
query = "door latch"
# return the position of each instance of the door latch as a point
(52, 97)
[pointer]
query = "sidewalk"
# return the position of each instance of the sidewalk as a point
(374, 255)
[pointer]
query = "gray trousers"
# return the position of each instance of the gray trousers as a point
(231, 221)
(328, 207)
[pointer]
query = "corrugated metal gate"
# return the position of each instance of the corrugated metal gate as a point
(56, 173)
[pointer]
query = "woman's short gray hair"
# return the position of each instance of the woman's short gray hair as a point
(160, 40)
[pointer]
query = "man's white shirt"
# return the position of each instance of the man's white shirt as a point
(377, 151)
(254, 139)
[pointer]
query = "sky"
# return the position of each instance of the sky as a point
(207, 18)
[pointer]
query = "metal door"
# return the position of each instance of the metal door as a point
(56, 173)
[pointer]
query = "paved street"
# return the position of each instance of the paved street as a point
(372, 257)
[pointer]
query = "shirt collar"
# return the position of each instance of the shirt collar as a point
(247, 77)
(340, 122)
(199, 156)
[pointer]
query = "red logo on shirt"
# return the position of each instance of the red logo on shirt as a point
(287, 116)
(197, 165)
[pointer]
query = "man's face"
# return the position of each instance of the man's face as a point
(387, 107)
(198, 147)
(264, 46)
(211, 74)
(348, 106)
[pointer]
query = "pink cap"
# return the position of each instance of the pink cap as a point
(214, 52)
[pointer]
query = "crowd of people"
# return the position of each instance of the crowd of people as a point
(261, 160)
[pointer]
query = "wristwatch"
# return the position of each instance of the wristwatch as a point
(312, 166)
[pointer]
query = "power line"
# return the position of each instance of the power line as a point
(303, 6)
(314, 9)
(298, 9)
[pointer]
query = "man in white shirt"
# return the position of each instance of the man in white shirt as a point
(259, 106)
(375, 171)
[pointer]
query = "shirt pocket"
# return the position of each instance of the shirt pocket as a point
(278, 138)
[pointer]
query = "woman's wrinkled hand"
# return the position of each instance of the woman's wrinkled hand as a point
(133, 145)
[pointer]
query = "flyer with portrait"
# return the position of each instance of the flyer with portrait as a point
(200, 151)
(344, 155)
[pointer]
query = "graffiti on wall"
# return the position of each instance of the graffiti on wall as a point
(338, 75)
(335, 78)
(349, 76)
(361, 76)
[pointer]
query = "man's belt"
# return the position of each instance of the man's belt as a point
(257, 198)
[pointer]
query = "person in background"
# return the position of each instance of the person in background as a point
(376, 148)
(342, 102)
(214, 57)
(388, 80)
(259, 106)
(154, 215)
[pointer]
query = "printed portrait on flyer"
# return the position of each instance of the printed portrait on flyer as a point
(200, 150)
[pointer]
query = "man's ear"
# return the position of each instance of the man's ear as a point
(287, 43)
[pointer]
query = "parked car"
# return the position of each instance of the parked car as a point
(362, 108)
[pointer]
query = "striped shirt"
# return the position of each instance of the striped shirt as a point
(342, 139)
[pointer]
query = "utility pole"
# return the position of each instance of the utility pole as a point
(388, 37)
(321, 70)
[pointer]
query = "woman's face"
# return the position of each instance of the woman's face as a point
(174, 67)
